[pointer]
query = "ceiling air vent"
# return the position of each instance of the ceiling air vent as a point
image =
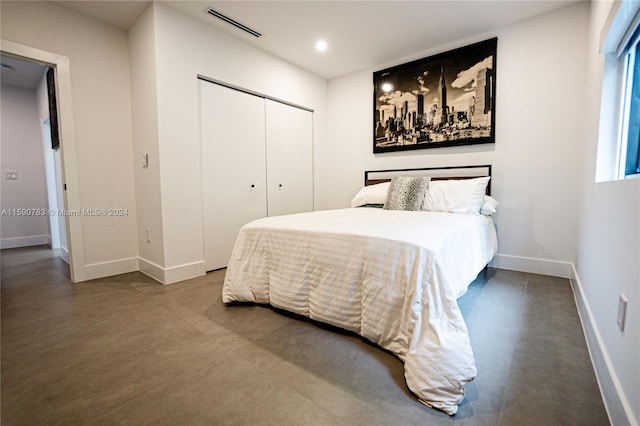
(233, 22)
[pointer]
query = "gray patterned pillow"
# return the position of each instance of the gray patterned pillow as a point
(407, 193)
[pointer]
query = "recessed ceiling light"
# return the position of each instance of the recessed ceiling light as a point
(321, 45)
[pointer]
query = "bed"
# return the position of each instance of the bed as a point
(391, 275)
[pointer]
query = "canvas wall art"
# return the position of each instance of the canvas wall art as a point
(443, 100)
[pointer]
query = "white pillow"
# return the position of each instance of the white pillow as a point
(372, 194)
(456, 195)
(489, 206)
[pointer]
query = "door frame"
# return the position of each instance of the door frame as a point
(67, 145)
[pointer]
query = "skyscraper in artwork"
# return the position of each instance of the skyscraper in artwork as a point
(484, 95)
(443, 97)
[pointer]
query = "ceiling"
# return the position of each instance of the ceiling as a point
(360, 34)
(17, 72)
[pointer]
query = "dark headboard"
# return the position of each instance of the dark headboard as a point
(371, 177)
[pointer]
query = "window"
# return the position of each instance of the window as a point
(630, 123)
(619, 136)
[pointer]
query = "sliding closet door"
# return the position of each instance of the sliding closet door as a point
(289, 159)
(233, 169)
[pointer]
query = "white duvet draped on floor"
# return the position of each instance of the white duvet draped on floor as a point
(391, 276)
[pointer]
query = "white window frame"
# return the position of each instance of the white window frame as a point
(619, 38)
(629, 59)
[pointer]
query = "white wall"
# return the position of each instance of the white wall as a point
(49, 166)
(98, 56)
(52, 194)
(608, 259)
(142, 46)
(540, 82)
(62, 224)
(21, 150)
(186, 48)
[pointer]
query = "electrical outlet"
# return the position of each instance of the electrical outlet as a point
(11, 175)
(622, 311)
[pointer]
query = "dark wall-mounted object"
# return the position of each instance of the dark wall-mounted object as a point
(53, 109)
(444, 100)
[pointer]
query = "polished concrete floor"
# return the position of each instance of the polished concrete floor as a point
(126, 350)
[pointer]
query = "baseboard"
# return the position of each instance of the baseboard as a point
(31, 240)
(114, 267)
(184, 272)
(533, 266)
(151, 269)
(64, 254)
(614, 399)
(173, 274)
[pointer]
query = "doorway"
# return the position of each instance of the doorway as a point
(32, 205)
(68, 163)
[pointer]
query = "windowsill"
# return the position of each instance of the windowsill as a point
(629, 180)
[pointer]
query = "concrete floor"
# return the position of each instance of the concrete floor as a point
(126, 350)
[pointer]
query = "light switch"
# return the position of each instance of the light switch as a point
(11, 175)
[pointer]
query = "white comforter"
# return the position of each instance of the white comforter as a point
(391, 276)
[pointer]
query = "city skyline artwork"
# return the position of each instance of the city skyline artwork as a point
(443, 100)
